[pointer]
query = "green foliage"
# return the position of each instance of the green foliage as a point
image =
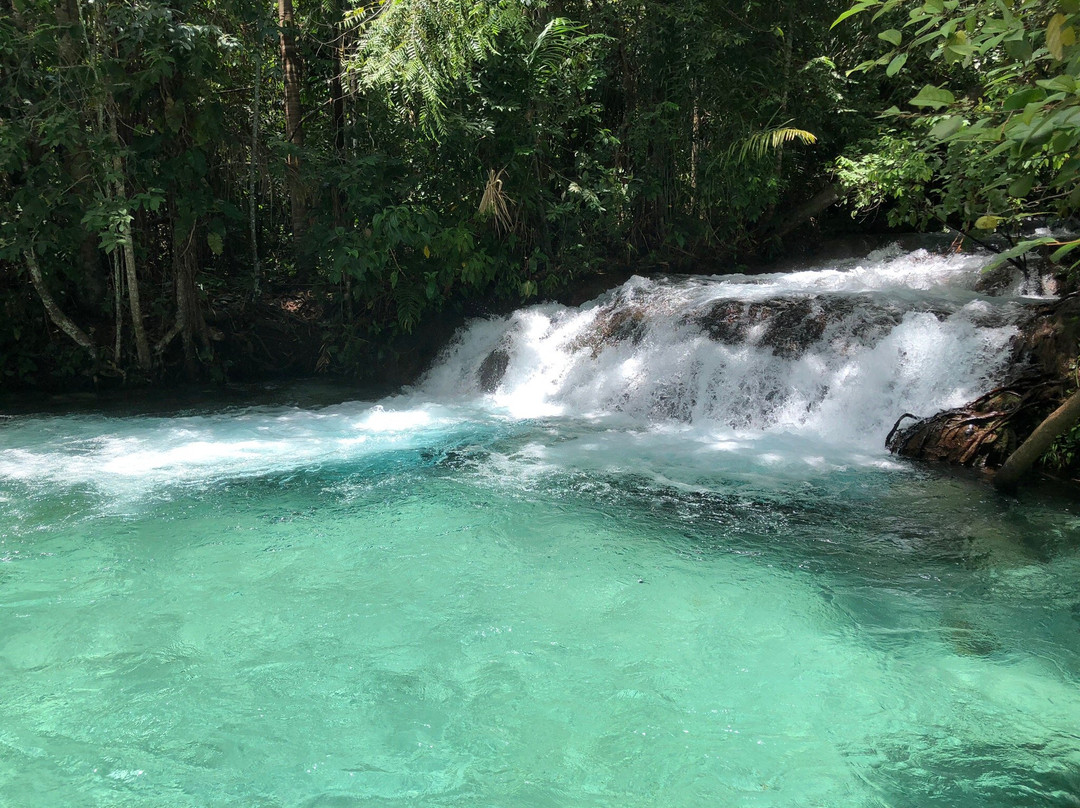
(451, 152)
(759, 144)
(1063, 456)
(996, 112)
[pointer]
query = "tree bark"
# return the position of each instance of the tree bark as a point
(62, 321)
(142, 344)
(189, 317)
(1055, 424)
(294, 118)
(253, 177)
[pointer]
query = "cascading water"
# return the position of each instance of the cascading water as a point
(646, 552)
(835, 355)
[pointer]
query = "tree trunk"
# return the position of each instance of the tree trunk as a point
(294, 132)
(253, 176)
(189, 317)
(118, 311)
(142, 344)
(62, 321)
(72, 41)
(1055, 424)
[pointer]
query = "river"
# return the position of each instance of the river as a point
(646, 552)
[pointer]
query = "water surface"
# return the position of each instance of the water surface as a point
(548, 594)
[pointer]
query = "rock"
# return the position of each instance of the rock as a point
(614, 324)
(998, 280)
(790, 326)
(492, 370)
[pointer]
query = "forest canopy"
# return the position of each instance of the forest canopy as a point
(183, 181)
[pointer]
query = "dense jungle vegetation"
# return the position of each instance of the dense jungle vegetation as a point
(221, 188)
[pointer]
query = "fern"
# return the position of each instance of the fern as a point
(759, 144)
(418, 50)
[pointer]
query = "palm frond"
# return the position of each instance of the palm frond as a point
(759, 144)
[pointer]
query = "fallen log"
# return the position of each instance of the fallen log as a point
(981, 434)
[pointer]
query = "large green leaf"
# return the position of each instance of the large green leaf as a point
(1022, 98)
(934, 97)
(1020, 249)
(947, 127)
(858, 8)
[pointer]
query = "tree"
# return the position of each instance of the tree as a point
(991, 140)
(294, 118)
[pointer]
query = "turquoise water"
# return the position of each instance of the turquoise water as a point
(348, 606)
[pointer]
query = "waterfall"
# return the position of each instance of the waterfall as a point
(833, 352)
(800, 371)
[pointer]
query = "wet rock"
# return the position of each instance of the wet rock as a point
(998, 280)
(790, 326)
(492, 370)
(613, 325)
(1050, 339)
(795, 325)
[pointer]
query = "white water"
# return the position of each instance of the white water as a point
(898, 333)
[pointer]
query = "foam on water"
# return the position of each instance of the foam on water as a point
(889, 335)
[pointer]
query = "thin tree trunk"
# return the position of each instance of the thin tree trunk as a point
(118, 310)
(76, 52)
(253, 176)
(189, 318)
(1055, 424)
(142, 344)
(294, 118)
(785, 90)
(62, 321)
(337, 111)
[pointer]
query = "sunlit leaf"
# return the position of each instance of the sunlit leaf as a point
(934, 97)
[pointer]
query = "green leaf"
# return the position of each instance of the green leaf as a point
(988, 222)
(1021, 99)
(215, 243)
(1064, 250)
(1058, 36)
(858, 8)
(1021, 186)
(896, 64)
(934, 6)
(1019, 50)
(892, 36)
(946, 128)
(1062, 84)
(1018, 250)
(935, 97)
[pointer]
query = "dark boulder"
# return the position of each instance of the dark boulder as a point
(492, 370)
